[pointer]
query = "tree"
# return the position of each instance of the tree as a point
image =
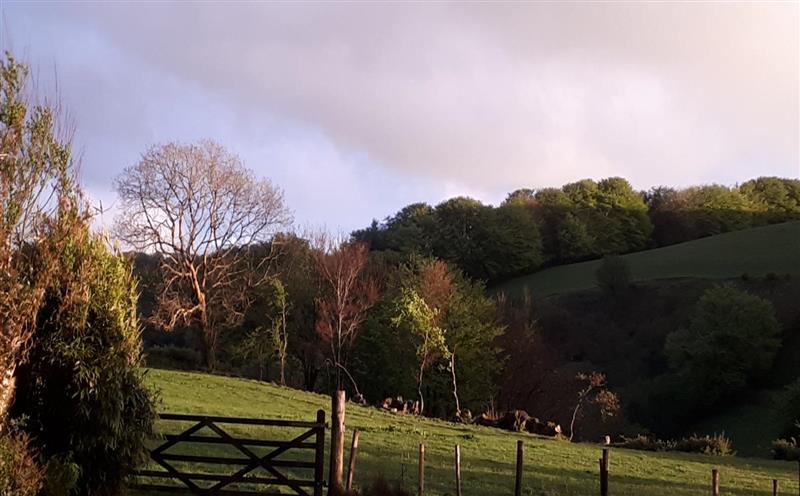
(732, 338)
(347, 291)
(614, 274)
(81, 391)
(457, 239)
(296, 266)
(590, 383)
(776, 198)
(270, 340)
(509, 239)
(280, 336)
(197, 206)
(409, 231)
(414, 315)
(36, 181)
(573, 239)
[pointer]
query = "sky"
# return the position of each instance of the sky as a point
(357, 109)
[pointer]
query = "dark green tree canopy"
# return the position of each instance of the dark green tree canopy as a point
(731, 339)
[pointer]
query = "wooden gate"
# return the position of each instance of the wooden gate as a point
(241, 482)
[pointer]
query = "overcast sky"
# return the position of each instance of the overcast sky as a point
(356, 110)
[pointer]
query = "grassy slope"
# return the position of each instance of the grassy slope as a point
(755, 251)
(389, 447)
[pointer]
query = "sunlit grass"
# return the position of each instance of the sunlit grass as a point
(389, 447)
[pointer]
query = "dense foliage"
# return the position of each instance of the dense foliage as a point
(20, 474)
(731, 340)
(581, 220)
(81, 390)
(717, 445)
(433, 324)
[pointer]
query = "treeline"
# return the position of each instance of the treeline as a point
(579, 221)
(420, 329)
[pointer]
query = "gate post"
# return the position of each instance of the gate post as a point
(319, 455)
(337, 444)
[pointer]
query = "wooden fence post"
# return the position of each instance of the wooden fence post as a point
(774, 487)
(458, 470)
(337, 444)
(714, 482)
(351, 468)
(319, 458)
(518, 485)
(604, 473)
(421, 470)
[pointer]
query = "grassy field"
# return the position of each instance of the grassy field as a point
(756, 252)
(389, 445)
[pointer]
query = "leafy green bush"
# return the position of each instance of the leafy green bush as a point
(614, 274)
(786, 449)
(60, 476)
(20, 475)
(643, 443)
(81, 389)
(717, 445)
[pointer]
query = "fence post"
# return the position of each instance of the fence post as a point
(774, 487)
(351, 468)
(714, 482)
(518, 485)
(604, 473)
(337, 443)
(458, 470)
(421, 470)
(319, 456)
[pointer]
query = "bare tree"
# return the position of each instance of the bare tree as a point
(38, 204)
(199, 207)
(347, 293)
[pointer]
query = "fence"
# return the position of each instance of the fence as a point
(244, 481)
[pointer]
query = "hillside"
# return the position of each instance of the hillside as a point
(389, 447)
(756, 252)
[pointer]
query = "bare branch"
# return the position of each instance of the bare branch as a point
(200, 208)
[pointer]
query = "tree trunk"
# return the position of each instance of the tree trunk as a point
(419, 391)
(209, 342)
(283, 370)
(310, 373)
(455, 384)
(8, 386)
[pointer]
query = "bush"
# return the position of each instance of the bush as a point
(786, 449)
(643, 443)
(20, 475)
(614, 274)
(81, 388)
(717, 445)
(60, 476)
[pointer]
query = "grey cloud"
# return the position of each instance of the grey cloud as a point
(493, 96)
